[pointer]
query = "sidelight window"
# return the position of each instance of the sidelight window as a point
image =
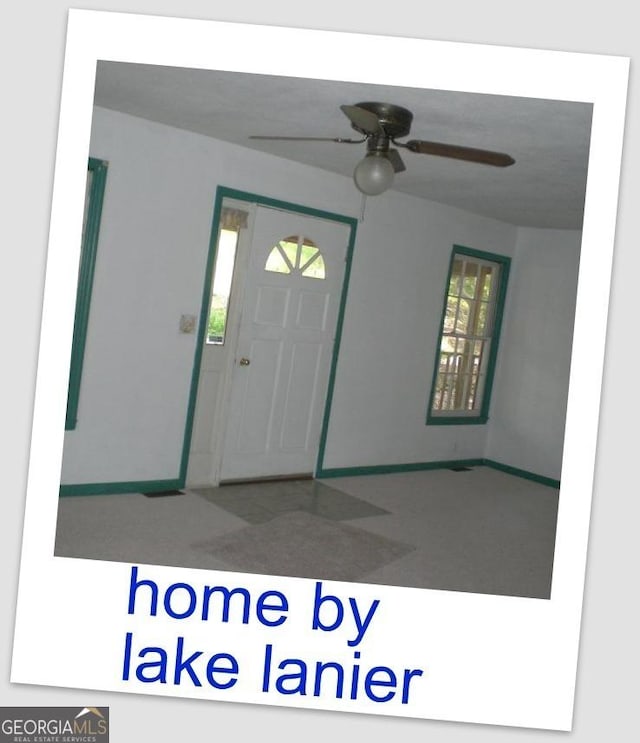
(231, 222)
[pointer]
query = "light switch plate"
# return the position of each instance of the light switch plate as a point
(187, 323)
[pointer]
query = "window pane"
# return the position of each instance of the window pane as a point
(486, 281)
(290, 248)
(450, 315)
(448, 398)
(470, 280)
(448, 344)
(454, 280)
(223, 274)
(315, 268)
(462, 322)
(307, 252)
(481, 318)
(437, 398)
(277, 262)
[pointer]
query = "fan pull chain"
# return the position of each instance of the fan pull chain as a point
(363, 207)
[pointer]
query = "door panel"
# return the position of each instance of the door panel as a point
(272, 304)
(312, 311)
(299, 398)
(255, 406)
(285, 343)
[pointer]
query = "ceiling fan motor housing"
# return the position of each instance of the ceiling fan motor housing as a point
(394, 120)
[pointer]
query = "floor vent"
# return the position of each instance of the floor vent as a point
(460, 468)
(163, 493)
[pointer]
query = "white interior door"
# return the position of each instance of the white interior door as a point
(285, 342)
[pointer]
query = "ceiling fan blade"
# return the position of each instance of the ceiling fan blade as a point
(363, 120)
(308, 139)
(470, 154)
(394, 158)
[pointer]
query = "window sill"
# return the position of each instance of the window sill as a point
(456, 420)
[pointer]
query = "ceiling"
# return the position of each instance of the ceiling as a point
(548, 139)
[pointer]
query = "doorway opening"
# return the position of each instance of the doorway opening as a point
(272, 311)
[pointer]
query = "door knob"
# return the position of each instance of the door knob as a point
(244, 362)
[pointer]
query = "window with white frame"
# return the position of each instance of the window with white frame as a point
(468, 344)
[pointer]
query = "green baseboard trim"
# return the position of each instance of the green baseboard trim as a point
(150, 486)
(115, 488)
(387, 469)
(541, 479)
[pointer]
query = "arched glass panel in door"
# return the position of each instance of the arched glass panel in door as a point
(296, 254)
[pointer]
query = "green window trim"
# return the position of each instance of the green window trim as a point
(482, 415)
(93, 211)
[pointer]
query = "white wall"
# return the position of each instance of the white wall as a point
(391, 332)
(150, 268)
(154, 240)
(526, 427)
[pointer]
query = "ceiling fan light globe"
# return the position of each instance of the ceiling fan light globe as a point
(373, 174)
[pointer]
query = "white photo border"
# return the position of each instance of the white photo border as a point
(486, 659)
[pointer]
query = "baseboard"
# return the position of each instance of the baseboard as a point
(268, 479)
(148, 486)
(541, 479)
(386, 469)
(118, 488)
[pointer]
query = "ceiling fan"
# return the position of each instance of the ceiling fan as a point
(381, 124)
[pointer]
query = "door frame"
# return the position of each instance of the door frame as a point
(222, 193)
